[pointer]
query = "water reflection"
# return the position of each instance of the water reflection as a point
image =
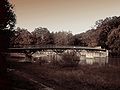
(114, 61)
(98, 61)
(101, 61)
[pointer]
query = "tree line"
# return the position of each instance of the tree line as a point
(42, 36)
(105, 34)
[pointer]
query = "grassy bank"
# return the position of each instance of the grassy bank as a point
(85, 77)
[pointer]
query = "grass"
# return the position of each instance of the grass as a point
(83, 77)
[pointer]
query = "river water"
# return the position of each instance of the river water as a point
(101, 61)
(83, 61)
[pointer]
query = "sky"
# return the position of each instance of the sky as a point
(63, 15)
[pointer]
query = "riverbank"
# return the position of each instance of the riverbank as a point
(83, 77)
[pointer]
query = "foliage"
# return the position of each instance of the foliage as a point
(106, 35)
(7, 16)
(70, 59)
(7, 23)
(62, 38)
(41, 36)
(78, 40)
(21, 37)
(109, 36)
(106, 27)
(113, 41)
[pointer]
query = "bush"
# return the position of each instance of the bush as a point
(70, 59)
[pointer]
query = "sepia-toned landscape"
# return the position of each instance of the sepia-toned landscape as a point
(43, 45)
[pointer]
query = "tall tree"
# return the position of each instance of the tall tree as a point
(78, 40)
(21, 37)
(41, 36)
(7, 23)
(113, 42)
(106, 27)
(62, 38)
(7, 16)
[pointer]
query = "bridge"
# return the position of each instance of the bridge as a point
(29, 50)
(39, 48)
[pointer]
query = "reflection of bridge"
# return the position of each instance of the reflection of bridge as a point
(85, 51)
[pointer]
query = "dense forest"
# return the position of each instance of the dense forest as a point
(106, 34)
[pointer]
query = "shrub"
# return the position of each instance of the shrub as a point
(70, 59)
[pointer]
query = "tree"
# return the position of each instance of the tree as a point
(106, 28)
(69, 59)
(113, 41)
(21, 37)
(7, 23)
(62, 38)
(78, 40)
(41, 36)
(7, 16)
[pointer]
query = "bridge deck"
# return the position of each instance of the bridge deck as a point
(56, 48)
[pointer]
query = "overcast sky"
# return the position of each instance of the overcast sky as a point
(67, 15)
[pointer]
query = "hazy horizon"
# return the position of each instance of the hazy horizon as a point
(63, 15)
